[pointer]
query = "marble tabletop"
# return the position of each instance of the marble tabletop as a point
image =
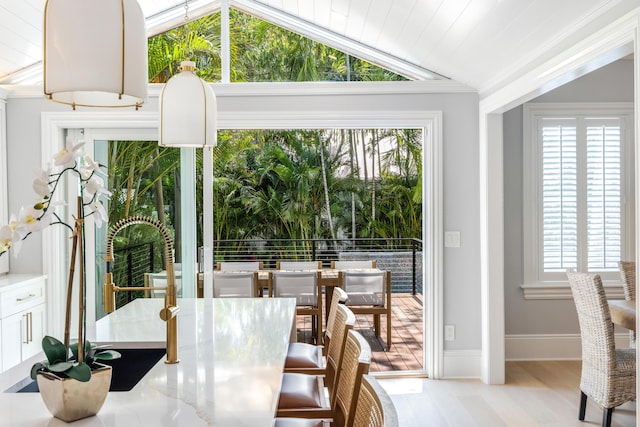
(231, 355)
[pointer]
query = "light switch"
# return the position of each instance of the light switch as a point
(451, 239)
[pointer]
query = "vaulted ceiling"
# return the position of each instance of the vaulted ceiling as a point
(479, 43)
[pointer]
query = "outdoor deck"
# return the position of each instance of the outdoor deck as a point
(407, 339)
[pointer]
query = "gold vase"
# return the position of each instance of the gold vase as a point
(70, 400)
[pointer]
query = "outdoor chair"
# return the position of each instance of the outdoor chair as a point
(353, 264)
(628, 273)
(369, 293)
(305, 287)
(233, 284)
(608, 374)
(159, 281)
(239, 266)
(374, 407)
(298, 265)
(341, 411)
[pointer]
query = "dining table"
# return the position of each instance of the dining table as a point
(623, 313)
(231, 355)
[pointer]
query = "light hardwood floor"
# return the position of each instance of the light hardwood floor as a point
(535, 394)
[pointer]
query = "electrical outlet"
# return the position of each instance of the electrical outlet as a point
(451, 239)
(449, 332)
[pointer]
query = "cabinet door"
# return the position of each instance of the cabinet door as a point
(33, 331)
(12, 336)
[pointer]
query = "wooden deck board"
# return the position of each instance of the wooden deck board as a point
(406, 336)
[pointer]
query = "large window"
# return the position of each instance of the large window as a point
(578, 212)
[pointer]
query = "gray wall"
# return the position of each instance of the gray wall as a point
(613, 83)
(461, 174)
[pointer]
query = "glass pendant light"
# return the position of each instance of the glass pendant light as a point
(187, 110)
(95, 53)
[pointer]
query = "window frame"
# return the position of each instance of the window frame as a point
(536, 284)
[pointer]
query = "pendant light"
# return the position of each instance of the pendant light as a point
(187, 110)
(95, 53)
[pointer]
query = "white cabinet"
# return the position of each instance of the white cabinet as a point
(22, 318)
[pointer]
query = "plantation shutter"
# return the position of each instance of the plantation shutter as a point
(581, 194)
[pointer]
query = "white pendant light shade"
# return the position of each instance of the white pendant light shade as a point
(95, 53)
(188, 111)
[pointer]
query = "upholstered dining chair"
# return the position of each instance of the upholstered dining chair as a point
(353, 264)
(239, 266)
(235, 284)
(608, 374)
(298, 265)
(628, 273)
(369, 293)
(305, 287)
(341, 412)
(307, 390)
(309, 358)
(374, 407)
(158, 281)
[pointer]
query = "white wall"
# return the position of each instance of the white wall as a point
(613, 83)
(461, 202)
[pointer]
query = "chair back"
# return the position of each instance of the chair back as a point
(353, 264)
(628, 273)
(339, 297)
(374, 407)
(301, 285)
(298, 265)
(159, 281)
(239, 266)
(227, 284)
(364, 287)
(596, 328)
(356, 361)
(343, 322)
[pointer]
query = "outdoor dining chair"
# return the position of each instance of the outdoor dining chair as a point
(353, 264)
(298, 265)
(608, 374)
(239, 266)
(304, 286)
(235, 284)
(158, 281)
(369, 293)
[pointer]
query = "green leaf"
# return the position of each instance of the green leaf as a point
(60, 367)
(80, 372)
(35, 368)
(54, 349)
(107, 355)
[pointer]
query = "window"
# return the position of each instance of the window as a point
(578, 186)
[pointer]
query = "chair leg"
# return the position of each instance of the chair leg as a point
(388, 331)
(376, 324)
(583, 406)
(606, 417)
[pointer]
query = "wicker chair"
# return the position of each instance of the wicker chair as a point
(309, 358)
(374, 407)
(608, 374)
(342, 411)
(628, 273)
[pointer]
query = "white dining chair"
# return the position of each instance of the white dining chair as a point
(233, 284)
(159, 282)
(298, 265)
(304, 286)
(353, 264)
(239, 266)
(369, 293)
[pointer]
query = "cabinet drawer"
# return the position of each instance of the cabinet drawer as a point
(21, 297)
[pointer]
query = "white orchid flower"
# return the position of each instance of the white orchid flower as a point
(100, 213)
(10, 236)
(6, 238)
(96, 186)
(90, 166)
(67, 156)
(41, 182)
(29, 219)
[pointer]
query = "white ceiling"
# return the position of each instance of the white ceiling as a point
(480, 43)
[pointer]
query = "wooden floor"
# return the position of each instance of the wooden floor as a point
(536, 394)
(406, 336)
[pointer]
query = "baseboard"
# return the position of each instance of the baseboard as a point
(550, 346)
(462, 364)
